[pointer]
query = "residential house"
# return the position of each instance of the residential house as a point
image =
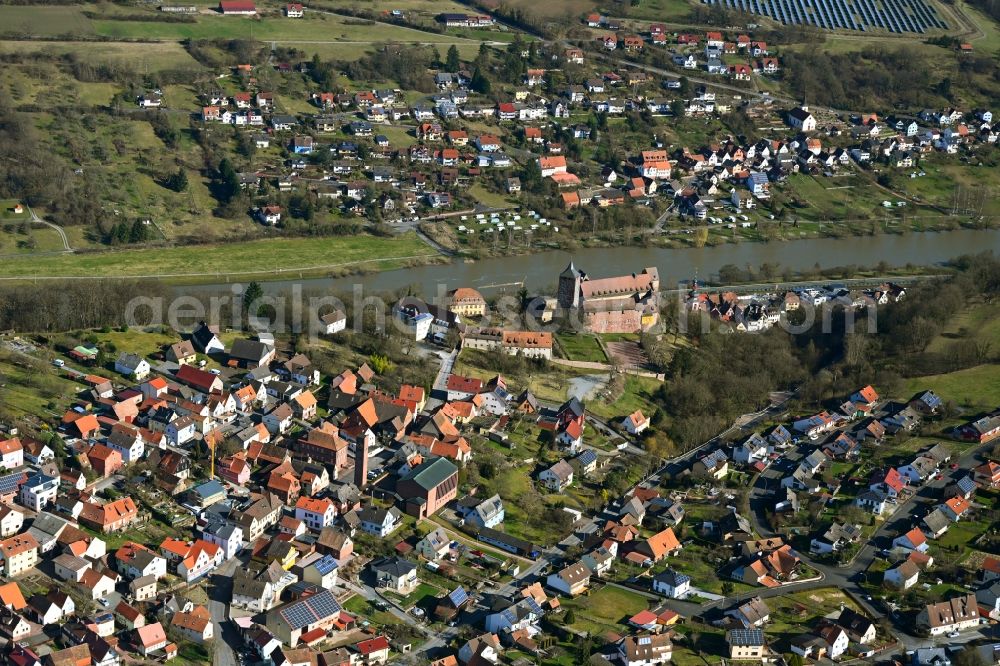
(952, 615)
(395, 574)
(557, 477)
(672, 584)
(571, 580)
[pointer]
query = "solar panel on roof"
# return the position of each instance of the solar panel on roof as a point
(458, 596)
(533, 605)
(8, 483)
(327, 564)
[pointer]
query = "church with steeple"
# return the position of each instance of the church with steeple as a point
(623, 304)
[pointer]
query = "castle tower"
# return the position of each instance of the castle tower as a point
(569, 287)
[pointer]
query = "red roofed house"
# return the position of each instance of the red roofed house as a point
(463, 388)
(987, 474)
(11, 453)
(570, 200)
(237, 7)
(912, 540)
(653, 549)
(374, 650)
(105, 460)
(414, 397)
(552, 165)
(150, 638)
(888, 481)
(109, 517)
(866, 396)
(632, 42)
(956, 507)
(198, 379)
(193, 560)
(635, 423)
(85, 424)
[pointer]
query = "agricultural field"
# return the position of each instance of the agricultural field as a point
(30, 388)
(45, 21)
(658, 10)
(851, 198)
(980, 322)
(147, 56)
(315, 27)
(947, 183)
(201, 263)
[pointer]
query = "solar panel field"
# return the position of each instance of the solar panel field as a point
(899, 16)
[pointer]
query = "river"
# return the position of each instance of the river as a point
(539, 271)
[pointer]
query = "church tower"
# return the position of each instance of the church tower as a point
(569, 287)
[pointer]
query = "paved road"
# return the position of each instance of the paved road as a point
(219, 594)
(447, 365)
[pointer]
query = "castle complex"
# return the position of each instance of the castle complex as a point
(623, 304)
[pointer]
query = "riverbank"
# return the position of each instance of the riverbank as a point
(262, 260)
(539, 272)
(698, 235)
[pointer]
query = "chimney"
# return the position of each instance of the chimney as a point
(361, 463)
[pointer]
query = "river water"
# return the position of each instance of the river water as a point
(539, 272)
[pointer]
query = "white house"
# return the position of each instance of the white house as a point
(836, 640)
(315, 513)
(912, 540)
(570, 580)
(672, 584)
(557, 477)
(635, 423)
(11, 453)
(333, 322)
(132, 366)
(434, 545)
(227, 536)
(801, 119)
(903, 576)
(128, 442)
(395, 574)
(380, 522)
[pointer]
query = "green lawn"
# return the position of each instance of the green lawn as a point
(638, 394)
(29, 390)
(363, 609)
(976, 388)
(7, 213)
(418, 596)
(961, 534)
(549, 386)
(791, 612)
(605, 610)
(278, 258)
(581, 347)
(137, 341)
